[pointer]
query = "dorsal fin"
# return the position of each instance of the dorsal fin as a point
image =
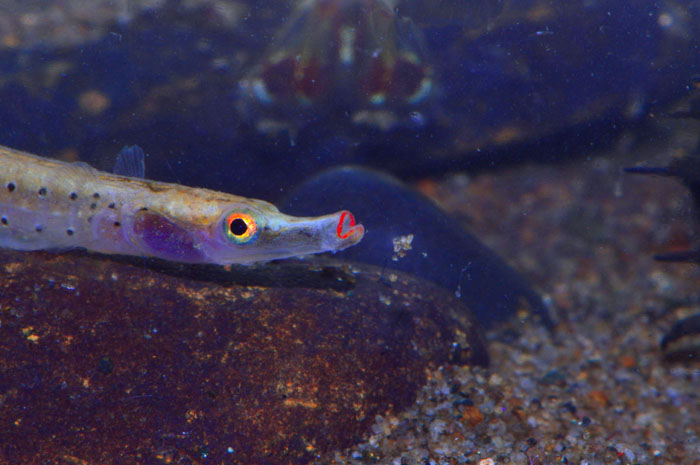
(131, 162)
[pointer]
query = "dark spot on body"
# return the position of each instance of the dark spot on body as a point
(93, 206)
(117, 224)
(95, 195)
(42, 192)
(11, 186)
(70, 231)
(3, 220)
(90, 219)
(112, 205)
(73, 196)
(38, 228)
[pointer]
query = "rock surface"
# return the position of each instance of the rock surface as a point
(110, 361)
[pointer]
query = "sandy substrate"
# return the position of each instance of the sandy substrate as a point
(597, 390)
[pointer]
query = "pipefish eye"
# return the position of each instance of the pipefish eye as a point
(240, 227)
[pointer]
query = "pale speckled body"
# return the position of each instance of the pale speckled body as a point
(49, 204)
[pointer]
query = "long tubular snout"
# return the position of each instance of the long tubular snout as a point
(333, 232)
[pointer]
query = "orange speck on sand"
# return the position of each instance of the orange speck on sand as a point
(628, 361)
(599, 397)
(472, 415)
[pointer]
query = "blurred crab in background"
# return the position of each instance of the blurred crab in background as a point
(471, 76)
(355, 56)
(412, 87)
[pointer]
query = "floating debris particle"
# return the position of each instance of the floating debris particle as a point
(402, 244)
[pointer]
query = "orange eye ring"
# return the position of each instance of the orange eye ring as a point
(240, 228)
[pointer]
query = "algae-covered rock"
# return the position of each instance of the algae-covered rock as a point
(109, 361)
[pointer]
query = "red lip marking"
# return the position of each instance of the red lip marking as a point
(351, 223)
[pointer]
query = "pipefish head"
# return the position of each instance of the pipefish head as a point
(248, 233)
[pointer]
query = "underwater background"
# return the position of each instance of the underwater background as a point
(518, 297)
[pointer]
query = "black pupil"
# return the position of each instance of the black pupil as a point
(238, 227)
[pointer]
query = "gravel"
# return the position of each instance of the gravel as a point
(597, 390)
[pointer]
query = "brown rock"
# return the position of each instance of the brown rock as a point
(128, 361)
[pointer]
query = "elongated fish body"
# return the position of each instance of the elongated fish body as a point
(53, 205)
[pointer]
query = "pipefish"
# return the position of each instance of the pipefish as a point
(47, 204)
